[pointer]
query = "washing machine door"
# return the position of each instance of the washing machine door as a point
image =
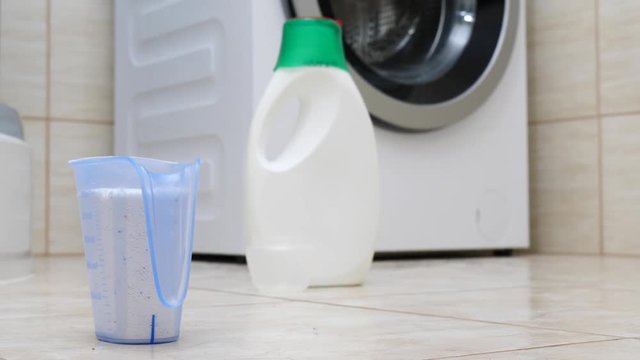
(422, 64)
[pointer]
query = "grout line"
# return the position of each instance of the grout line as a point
(319, 302)
(620, 255)
(232, 292)
(599, 130)
(530, 123)
(348, 297)
(238, 293)
(82, 121)
(586, 117)
(197, 308)
(65, 254)
(524, 349)
(562, 253)
(47, 316)
(427, 292)
(34, 118)
(621, 113)
(562, 120)
(450, 317)
(67, 120)
(607, 255)
(47, 162)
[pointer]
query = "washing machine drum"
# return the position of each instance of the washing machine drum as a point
(422, 64)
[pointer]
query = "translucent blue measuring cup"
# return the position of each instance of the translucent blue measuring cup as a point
(137, 218)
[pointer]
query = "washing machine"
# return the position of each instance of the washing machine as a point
(444, 81)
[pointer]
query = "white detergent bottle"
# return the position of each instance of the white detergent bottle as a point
(313, 209)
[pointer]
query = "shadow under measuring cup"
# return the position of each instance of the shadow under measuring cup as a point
(137, 217)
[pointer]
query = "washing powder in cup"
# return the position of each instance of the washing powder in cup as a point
(123, 266)
(137, 242)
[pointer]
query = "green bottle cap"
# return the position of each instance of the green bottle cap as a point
(311, 42)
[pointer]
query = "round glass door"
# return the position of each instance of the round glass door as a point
(407, 41)
(413, 57)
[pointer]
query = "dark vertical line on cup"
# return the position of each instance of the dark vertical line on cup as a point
(152, 338)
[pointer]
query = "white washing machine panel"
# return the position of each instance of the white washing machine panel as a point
(189, 73)
(464, 184)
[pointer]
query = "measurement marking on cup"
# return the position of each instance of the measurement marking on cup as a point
(153, 329)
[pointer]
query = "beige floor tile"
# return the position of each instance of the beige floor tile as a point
(60, 286)
(53, 307)
(578, 293)
(71, 141)
(35, 136)
(15, 269)
(23, 56)
(38, 303)
(487, 274)
(602, 311)
(561, 59)
(621, 183)
(564, 187)
(216, 276)
(201, 299)
(385, 278)
(82, 59)
(619, 53)
(22, 303)
(624, 349)
(455, 275)
(284, 330)
(57, 286)
(591, 272)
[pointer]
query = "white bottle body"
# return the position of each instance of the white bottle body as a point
(316, 203)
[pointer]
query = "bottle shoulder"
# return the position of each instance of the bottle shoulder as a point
(312, 78)
(326, 71)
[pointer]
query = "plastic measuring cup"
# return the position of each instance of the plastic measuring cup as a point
(137, 218)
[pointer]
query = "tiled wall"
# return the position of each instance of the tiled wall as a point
(56, 69)
(584, 101)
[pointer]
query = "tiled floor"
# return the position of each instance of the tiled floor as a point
(557, 307)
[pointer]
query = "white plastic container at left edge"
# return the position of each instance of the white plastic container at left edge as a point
(15, 208)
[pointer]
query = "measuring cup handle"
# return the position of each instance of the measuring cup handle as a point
(170, 203)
